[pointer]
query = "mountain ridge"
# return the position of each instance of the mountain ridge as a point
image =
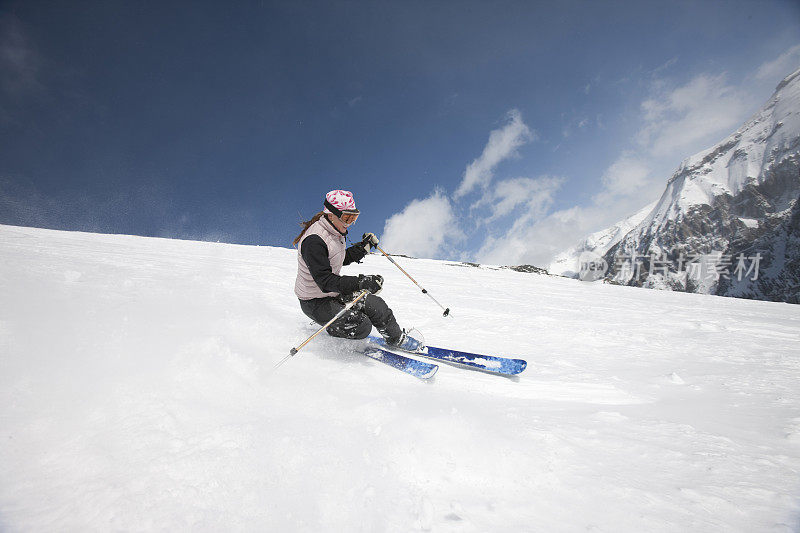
(722, 202)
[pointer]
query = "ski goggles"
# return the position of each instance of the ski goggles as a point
(347, 216)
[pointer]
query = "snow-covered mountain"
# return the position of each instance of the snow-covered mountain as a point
(726, 211)
(565, 263)
(137, 392)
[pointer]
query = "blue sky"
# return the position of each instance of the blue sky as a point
(496, 131)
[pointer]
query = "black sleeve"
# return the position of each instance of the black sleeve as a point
(315, 253)
(354, 254)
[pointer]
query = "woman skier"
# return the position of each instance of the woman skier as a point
(321, 253)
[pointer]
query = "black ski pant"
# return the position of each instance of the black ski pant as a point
(357, 322)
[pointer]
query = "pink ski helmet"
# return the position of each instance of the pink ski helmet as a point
(341, 204)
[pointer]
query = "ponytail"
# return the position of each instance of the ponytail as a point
(307, 224)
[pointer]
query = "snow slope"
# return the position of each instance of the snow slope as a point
(136, 393)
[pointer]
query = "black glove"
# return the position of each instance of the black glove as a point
(369, 241)
(373, 283)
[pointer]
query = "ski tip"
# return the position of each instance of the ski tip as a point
(430, 374)
(518, 367)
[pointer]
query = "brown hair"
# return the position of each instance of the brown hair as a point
(306, 225)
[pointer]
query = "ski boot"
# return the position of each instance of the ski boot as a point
(406, 343)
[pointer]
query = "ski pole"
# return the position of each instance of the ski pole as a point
(331, 321)
(446, 311)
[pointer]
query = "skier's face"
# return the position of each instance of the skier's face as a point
(347, 219)
(338, 224)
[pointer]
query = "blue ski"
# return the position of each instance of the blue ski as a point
(420, 369)
(487, 363)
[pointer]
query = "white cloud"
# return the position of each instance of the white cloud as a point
(425, 228)
(534, 242)
(428, 227)
(667, 65)
(520, 243)
(534, 196)
(537, 241)
(677, 120)
(627, 176)
(782, 66)
(534, 236)
(503, 143)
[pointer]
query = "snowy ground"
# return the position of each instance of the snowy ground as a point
(136, 393)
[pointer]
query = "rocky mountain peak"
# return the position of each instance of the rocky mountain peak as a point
(737, 200)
